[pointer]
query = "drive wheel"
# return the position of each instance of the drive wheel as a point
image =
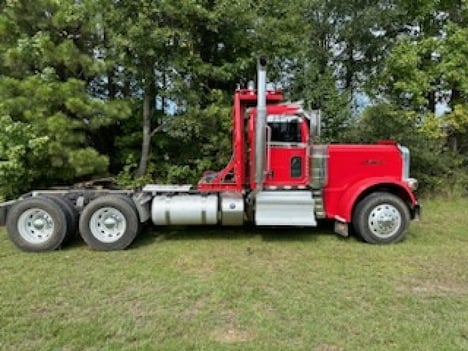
(109, 223)
(71, 213)
(37, 224)
(381, 218)
(131, 203)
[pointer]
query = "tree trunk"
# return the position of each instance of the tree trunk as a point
(431, 101)
(110, 84)
(453, 142)
(148, 109)
(455, 97)
(349, 74)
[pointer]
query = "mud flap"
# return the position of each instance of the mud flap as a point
(4, 207)
(341, 228)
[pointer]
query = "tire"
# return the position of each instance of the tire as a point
(71, 213)
(37, 224)
(109, 223)
(131, 203)
(381, 218)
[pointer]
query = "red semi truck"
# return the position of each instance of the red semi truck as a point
(278, 176)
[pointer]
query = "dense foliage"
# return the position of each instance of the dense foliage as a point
(142, 89)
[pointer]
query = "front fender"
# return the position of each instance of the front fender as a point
(355, 192)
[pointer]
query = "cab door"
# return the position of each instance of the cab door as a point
(287, 151)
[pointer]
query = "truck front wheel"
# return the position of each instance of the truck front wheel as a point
(109, 223)
(381, 218)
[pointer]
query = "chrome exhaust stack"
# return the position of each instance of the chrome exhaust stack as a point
(260, 127)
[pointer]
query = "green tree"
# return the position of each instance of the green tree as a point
(183, 60)
(426, 71)
(22, 155)
(339, 48)
(48, 66)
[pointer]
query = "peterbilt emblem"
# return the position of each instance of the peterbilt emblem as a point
(373, 162)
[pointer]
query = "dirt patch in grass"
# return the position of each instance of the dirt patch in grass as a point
(329, 348)
(230, 332)
(437, 278)
(201, 268)
(192, 312)
(232, 335)
(432, 288)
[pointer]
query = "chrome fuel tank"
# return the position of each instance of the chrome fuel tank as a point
(185, 209)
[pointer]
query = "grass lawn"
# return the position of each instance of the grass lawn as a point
(244, 289)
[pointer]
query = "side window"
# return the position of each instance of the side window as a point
(296, 167)
(285, 131)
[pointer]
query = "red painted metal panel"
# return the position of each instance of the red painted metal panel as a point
(234, 177)
(354, 168)
(345, 201)
(280, 162)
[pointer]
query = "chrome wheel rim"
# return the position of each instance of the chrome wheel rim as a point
(35, 226)
(108, 224)
(384, 221)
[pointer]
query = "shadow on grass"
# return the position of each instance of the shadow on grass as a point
(74, 243)
(152, 235)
